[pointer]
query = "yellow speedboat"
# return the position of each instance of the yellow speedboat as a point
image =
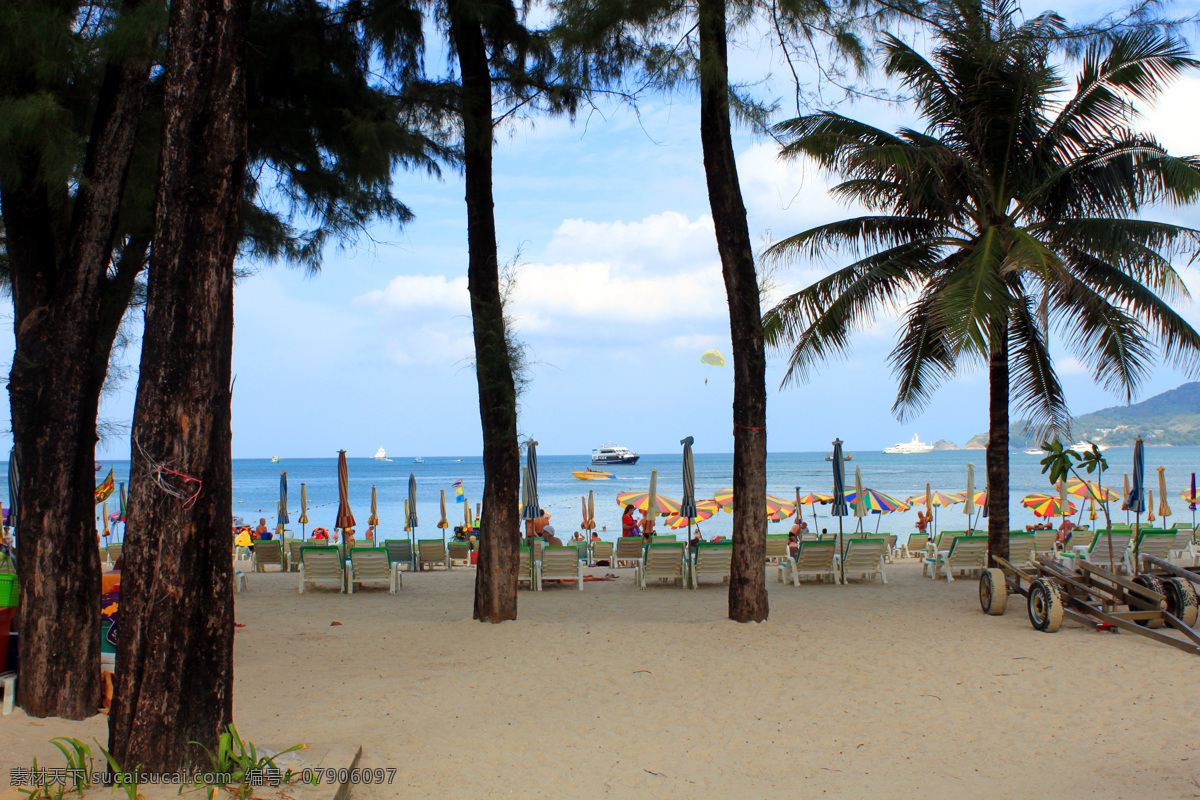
(592, 475)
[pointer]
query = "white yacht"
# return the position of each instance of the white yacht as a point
(381, 455)
(1034, 451)
(1086, 447)
(614, 454)
(908, 448)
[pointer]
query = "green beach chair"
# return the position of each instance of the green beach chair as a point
(321, 564)
(432, 551)
(662, 562)
(400, 551)
(559, 563)
(602, 551)
(268, 552)
(915, 546)
(710, 560)
(777, 548)
(1151, 543)
(866, 558)
(372, 564)
(817, 559)
(966, 554)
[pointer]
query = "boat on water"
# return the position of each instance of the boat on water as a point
(381, 454)
(1033, 451)
(593, 475)
(845, 457)
(910, 448)
(1086, 447)
(417, 460)
(614, 454)
(274, 460)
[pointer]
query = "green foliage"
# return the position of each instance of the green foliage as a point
(1012, 216)
(127, 781)
(235, 758)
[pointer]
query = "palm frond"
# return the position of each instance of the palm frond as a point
(1036, 390)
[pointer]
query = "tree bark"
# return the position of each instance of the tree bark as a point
(175, 650)
(997, 452)
(747, 583)
(57, 272)
(499, 539)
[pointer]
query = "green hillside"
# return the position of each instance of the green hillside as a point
(1170, 418)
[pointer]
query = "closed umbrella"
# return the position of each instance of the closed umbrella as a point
(1164, 510)
(443, 523)
(1150, 505)
(839, 509)
(282, 517)
(303, 511)
(1136, 498)
(104, 512)
(529, 507)
(969, 499)
(591, 510)
(412, 509)
(651, 501)
(529, 503)
(14, 491)
(1192, 500)
(1125, 498)
(345, 517)
(687, 508)
(1062, 498)
(373, 520)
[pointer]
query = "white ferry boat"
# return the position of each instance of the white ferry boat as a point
(614, 454)
(909, 448)
(381, 455)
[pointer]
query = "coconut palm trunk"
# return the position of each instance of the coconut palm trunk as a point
(175, 651)
(747, 584)
(496, 576)
(997, 453)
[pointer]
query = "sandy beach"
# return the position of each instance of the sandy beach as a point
(868, 690)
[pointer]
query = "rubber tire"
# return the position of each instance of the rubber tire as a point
(1182, 601)
(1045, 606)
(1155, 585)
(993, 592)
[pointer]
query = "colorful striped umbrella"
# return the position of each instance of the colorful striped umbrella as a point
(936, 499)
(1090, 489)
(724, 497)
(641, 501)
(776, 505)
(1047, 505)
(345, 517)
(877, 503)
(704, 510)
(811, 499)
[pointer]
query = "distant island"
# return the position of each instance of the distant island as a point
(1168, 419)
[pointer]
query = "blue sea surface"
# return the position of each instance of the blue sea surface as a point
(256, 486)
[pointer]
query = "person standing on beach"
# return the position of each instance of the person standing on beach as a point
(540, 523)
(628, 526)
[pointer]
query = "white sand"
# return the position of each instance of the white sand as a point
(890, 691)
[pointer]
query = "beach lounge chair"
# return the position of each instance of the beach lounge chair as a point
(1044, 540)
(1096, 550)
(966, 554)
(432, 551)
(292, 556)
(1021, 547)
(602, 551)
(321, 564)
(1182, 545)
(629, 551)
(400, 551)
(1150, 543)
(559, 563)
(525, 566)
(664, 538)
(662, 562)
(891, 539)
(460, 551)
(915, 546)
(814, 558)
(711, 560)
(865, 558)
(372, 564)
(268, 552)
(114, 552)
(777, 548)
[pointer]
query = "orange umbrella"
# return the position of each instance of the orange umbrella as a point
(345, 517)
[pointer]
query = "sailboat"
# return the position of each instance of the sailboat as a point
(381, 455)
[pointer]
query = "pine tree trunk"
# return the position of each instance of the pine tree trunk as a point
(499, 535)
(175, 649)
(747, 583)
(997, 454)
(57, 276)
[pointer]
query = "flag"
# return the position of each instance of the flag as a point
(105, 488)
(459, 497)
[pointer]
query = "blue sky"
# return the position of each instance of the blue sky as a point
(618, 294)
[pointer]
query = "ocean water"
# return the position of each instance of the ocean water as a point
(256, 486)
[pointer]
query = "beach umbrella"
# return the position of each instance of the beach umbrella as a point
(303, 511)
(704, 510)
(687, 508)
(373, 520)
(1086, 489)
(934, 499)
(345, 517)
(969, 496)
(839, 509)
(104, 511)
(591, 510)
(1136, 497)
(124, 511)
(724, 497)
(1164, 510)
(1150, 505)
(529, 503)
(282, 516)
(663, 505)
(876, 502)
(443, 523)
(811, 499)
(1092, 512)
(412, 509)
(14, 490)
(407, 527)
(529, 507)
(467, 513)
(1062, 498)
(583, 525)
(1047, 505)
(1125, 498)
(860, 509)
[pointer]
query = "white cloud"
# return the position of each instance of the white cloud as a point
(658, 244)
(405, 292)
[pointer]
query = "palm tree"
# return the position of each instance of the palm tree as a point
(1014, 214)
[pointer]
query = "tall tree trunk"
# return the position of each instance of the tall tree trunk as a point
(499, 540)
(175, 650)
(747, 584)
(56, 280)
(997, 452)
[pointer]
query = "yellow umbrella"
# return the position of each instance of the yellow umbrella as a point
(1164, 510)
(1092, 513)
(443, 523)
(303, 510)
(374, 518)
(1150, 505)
(406, 515)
